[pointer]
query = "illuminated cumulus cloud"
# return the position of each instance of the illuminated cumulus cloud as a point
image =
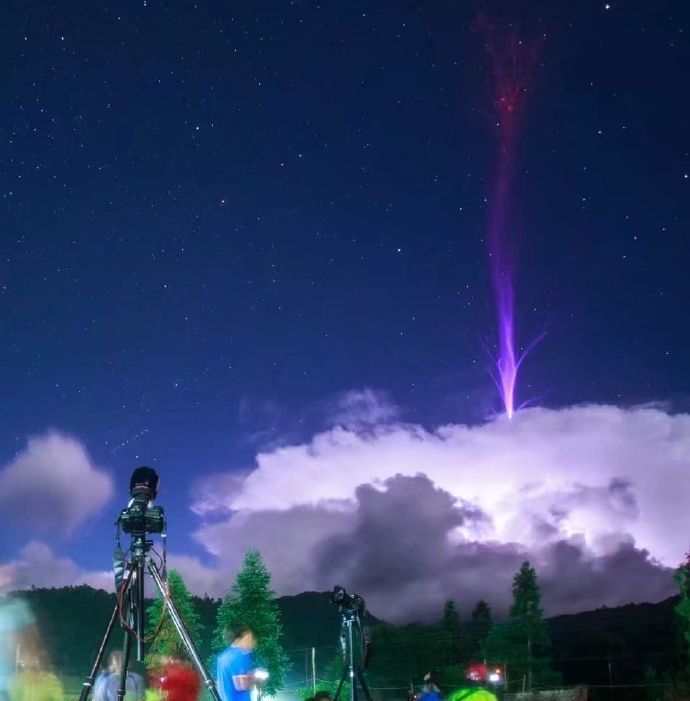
(55, 477)
(597, 487)
(37, 565)
(287, 539)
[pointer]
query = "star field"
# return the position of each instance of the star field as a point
(217, 216)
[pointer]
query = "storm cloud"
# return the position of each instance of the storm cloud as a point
(594, 496)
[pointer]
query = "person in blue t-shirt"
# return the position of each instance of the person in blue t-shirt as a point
(235, 665)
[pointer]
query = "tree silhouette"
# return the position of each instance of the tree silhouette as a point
(480, 627)
(522, 643)
(251, 601)
(168, 642)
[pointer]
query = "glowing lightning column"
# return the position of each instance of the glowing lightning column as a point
(501, 258)
(512, 66)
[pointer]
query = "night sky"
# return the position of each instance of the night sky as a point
(229, 228)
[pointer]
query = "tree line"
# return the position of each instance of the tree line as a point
(520, 646)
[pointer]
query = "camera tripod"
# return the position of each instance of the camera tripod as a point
(130, 594)
(353, 669)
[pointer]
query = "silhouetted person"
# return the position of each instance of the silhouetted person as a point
(16, 620)
(35, 681)
(134, 687)
(429, 691)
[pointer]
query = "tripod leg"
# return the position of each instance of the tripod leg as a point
(88, 684)
(343, 677)
(363, 683)
(182, 631)
(139, 610)
(126, 647)
(351, 652)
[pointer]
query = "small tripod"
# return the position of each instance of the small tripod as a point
(130, 594)
(353, 669)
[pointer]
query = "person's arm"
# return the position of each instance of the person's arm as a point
(242, 673)
(139, 688)
(242, 682)
(233, 674)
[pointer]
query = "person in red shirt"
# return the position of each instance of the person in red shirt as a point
(176, 680)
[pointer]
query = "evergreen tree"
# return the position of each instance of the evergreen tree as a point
(454, 641)
(522, 643)
(480, 627)
(251, 601)
(168, 641)
(679, 674)
(451, 617)
(682, 608)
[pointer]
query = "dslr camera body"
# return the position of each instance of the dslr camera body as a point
(141, 516)
(348, 604)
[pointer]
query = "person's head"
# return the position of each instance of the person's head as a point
(115, 662)
(31, 662)
(34, 657)
(431, 677)
(242, 636)
(477, 674)
(322, 696)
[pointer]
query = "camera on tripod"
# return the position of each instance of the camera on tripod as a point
(354, 641)
(347, 603)
(141, 516)
(139, 519)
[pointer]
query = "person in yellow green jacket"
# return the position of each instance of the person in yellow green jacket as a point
(35, 682)
(475, 687)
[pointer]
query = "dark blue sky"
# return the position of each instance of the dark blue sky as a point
(216, 217)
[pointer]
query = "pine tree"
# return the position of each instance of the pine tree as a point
(250, 601)
(522, 643)
(451, 617)
(679, 675)
(168, 641)
(682, 608)
(480, 626)
(453, 637)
